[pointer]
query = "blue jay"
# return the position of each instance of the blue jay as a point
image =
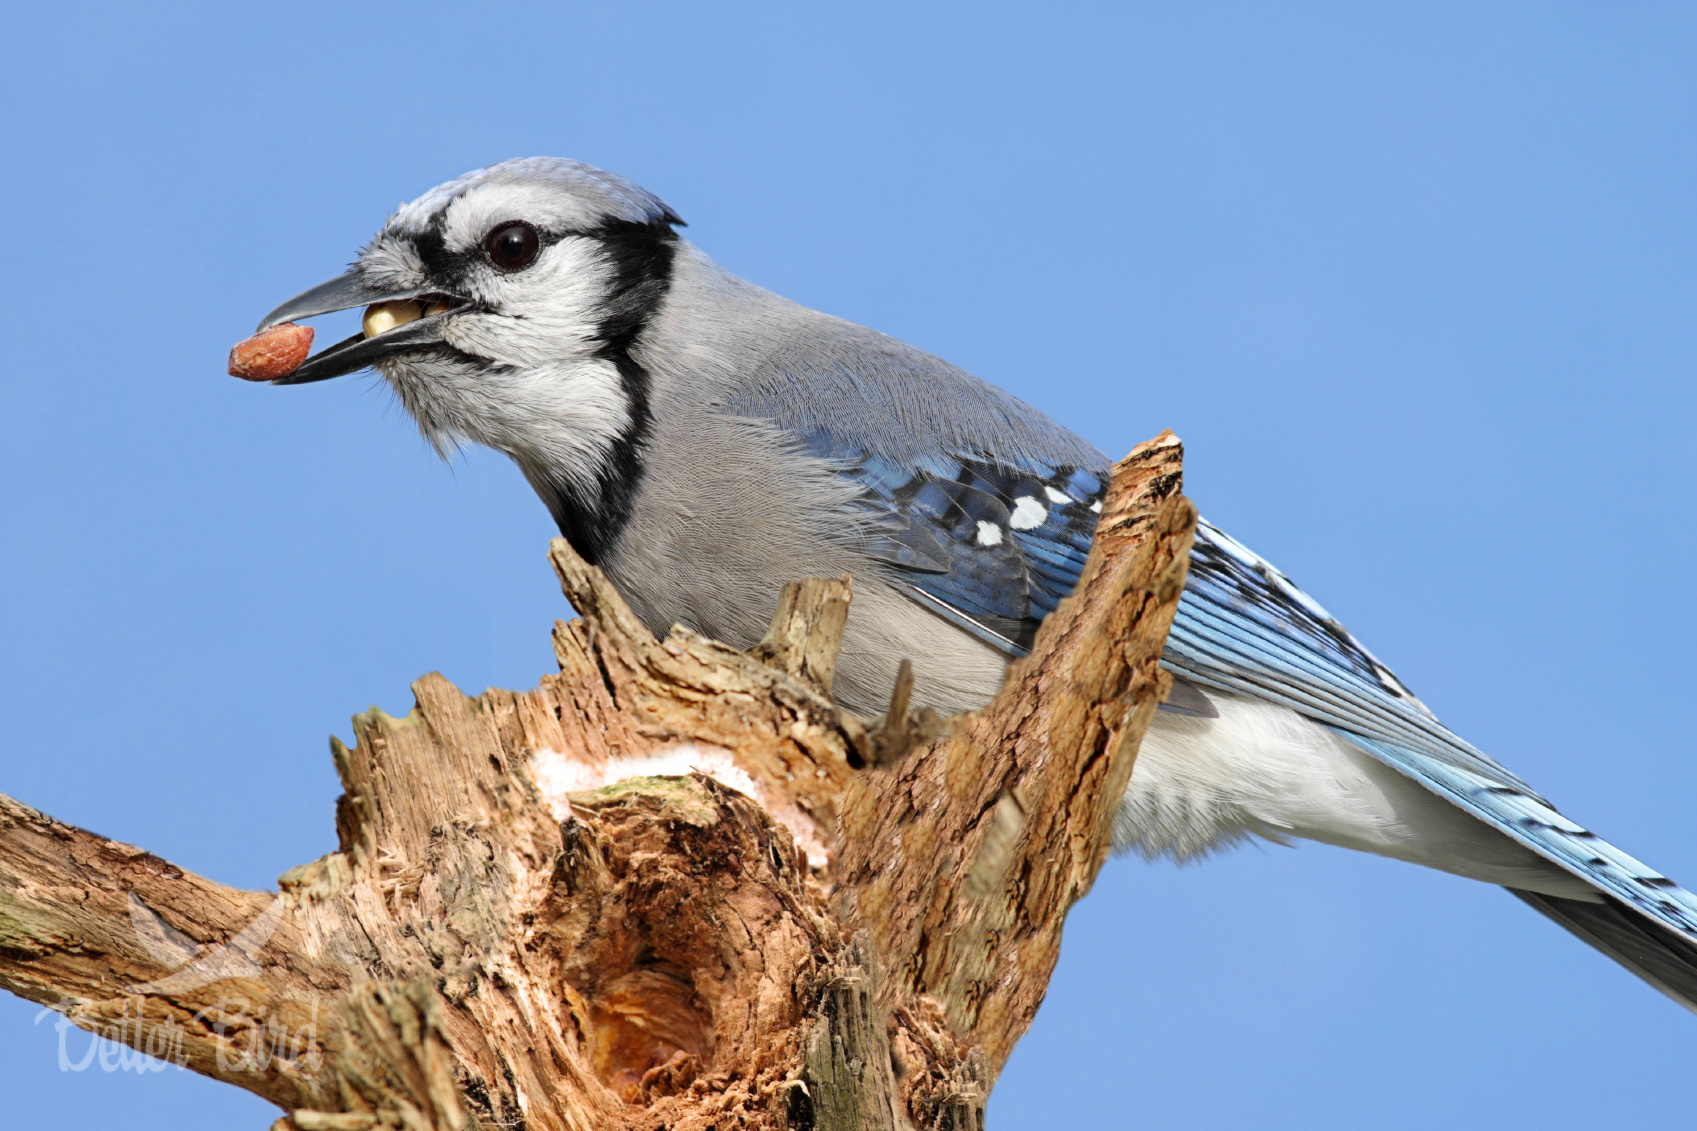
(704, 441)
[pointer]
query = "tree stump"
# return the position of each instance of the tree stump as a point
(671, 887)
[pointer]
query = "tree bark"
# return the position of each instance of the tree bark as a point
(541, 917)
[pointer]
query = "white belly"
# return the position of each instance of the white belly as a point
(1261, 770)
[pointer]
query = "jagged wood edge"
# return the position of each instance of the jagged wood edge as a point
(65, 937)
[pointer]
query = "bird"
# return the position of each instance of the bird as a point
(703, 441)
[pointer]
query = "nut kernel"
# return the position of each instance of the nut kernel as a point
(385, 316)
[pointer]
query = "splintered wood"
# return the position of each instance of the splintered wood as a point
(671, 887)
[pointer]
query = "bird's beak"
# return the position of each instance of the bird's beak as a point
(397, 321)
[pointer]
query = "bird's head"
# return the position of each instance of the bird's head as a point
(502, 308)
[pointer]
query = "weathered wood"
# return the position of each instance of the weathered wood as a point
(540, 916)
(807, 630)
(848, 1083)
(964, 861)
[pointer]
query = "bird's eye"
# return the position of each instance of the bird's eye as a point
(512, 247)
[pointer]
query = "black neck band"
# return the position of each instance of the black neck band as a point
(592, 515)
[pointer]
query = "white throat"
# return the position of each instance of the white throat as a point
(564, 417)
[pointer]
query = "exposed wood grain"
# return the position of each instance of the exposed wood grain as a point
(517, 932)
(807, 630)
(964, 859)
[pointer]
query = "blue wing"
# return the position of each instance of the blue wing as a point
(993, 545)
(1243, 626)
(990, 545)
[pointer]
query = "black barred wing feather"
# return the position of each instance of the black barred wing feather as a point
(994, 544)
(990, 545)
(1243, 626)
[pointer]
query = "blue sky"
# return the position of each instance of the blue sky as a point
(1415, 283)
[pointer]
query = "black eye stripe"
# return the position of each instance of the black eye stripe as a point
(639, 252)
